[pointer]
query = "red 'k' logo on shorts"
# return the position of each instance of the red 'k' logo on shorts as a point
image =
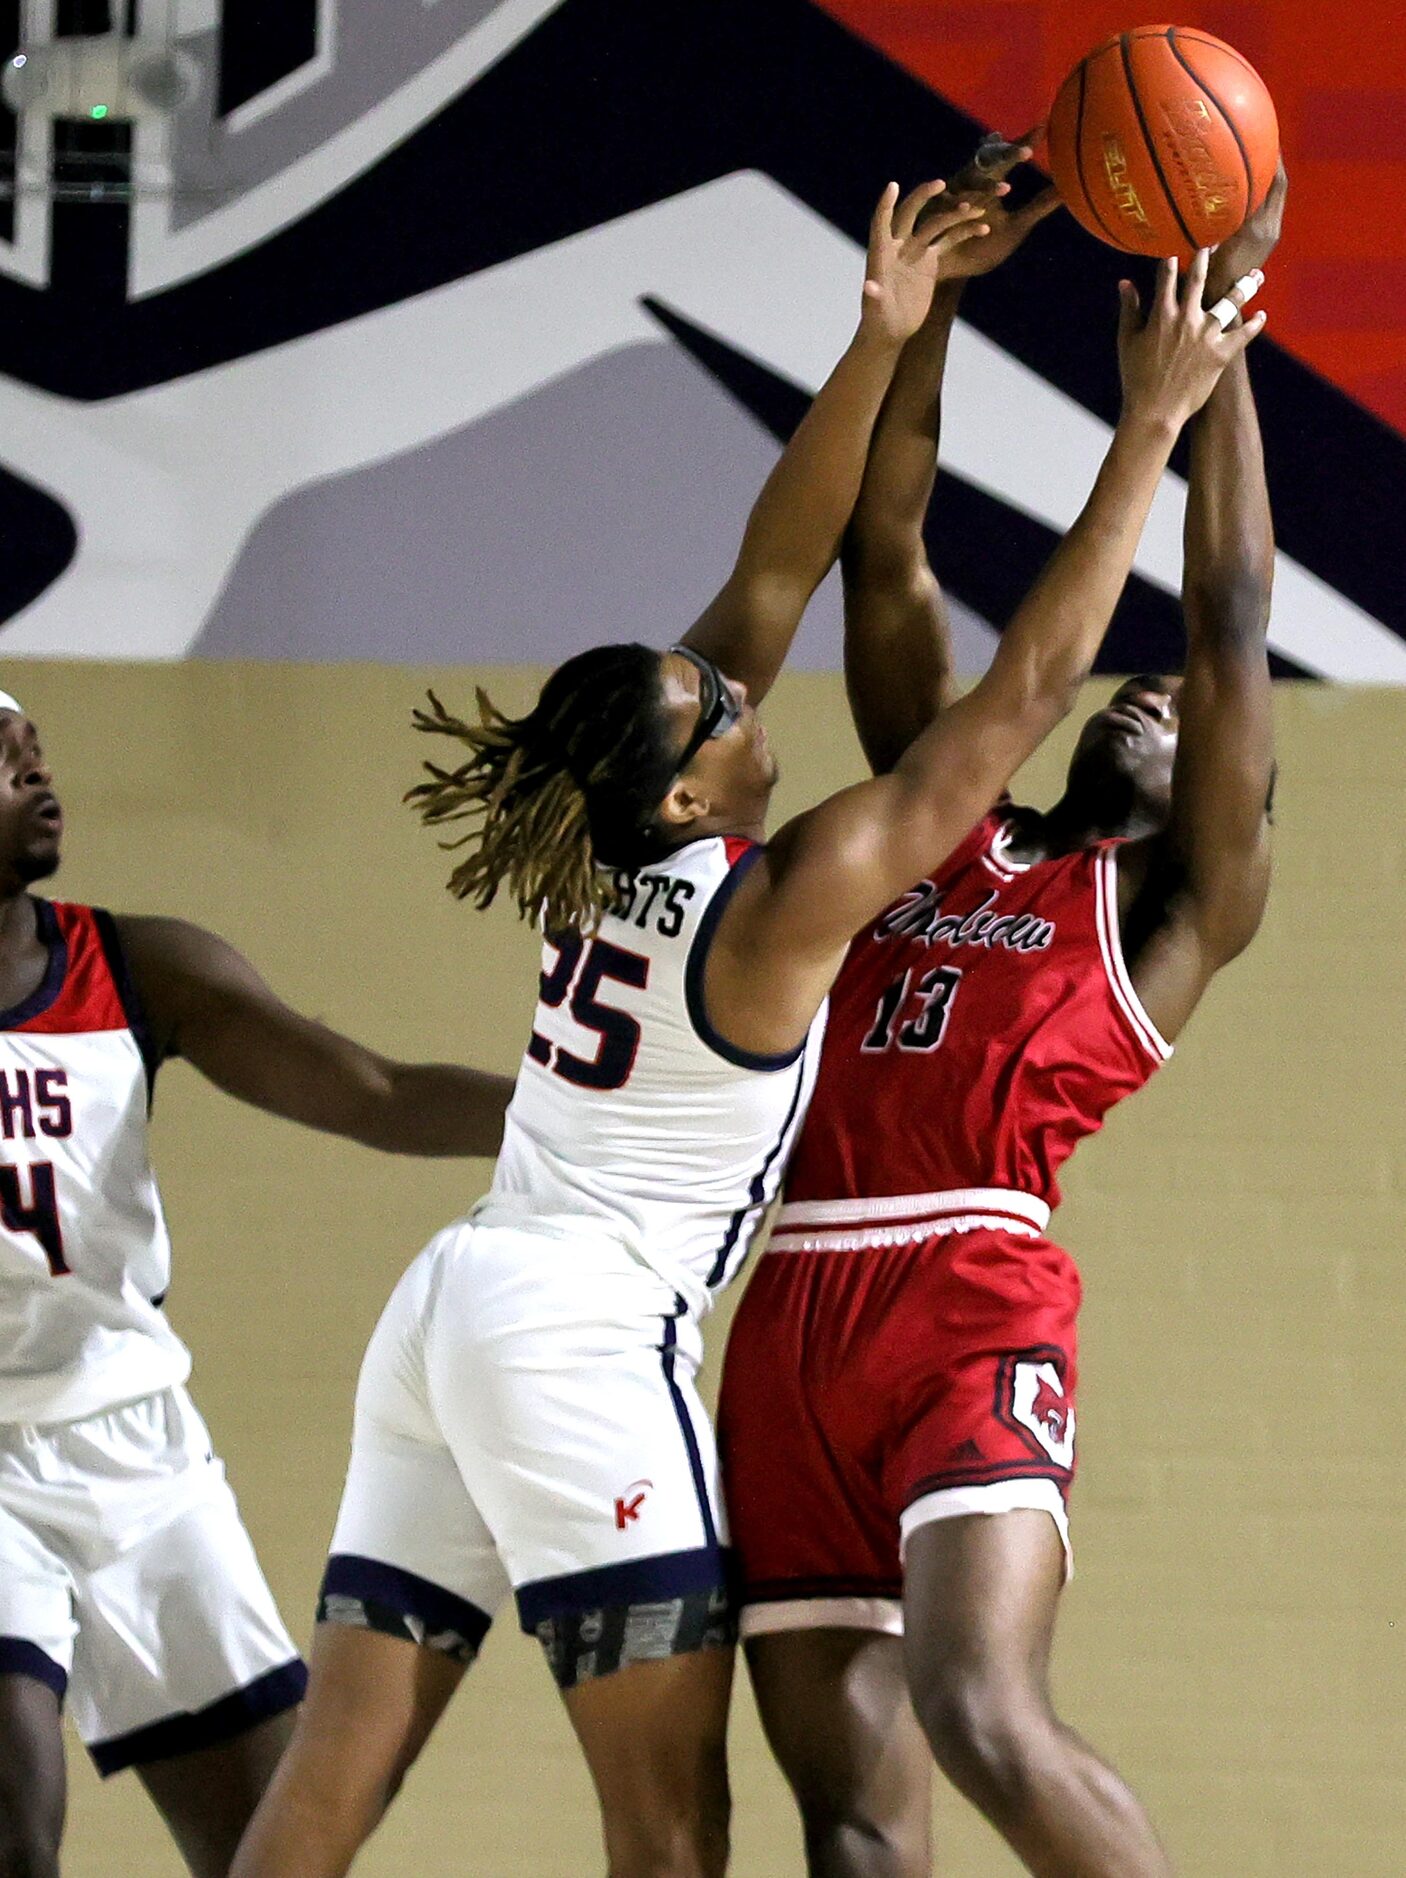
(627, 1506)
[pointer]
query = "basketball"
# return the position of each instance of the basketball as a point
(1163, 140)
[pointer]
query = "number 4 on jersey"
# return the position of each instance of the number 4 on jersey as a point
(930, 1002)
(40, 1216)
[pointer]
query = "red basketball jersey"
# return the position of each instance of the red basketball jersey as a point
(978, 1031)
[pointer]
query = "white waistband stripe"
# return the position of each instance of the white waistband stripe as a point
(901, 1219)
(915, 1206)
(875, 1238)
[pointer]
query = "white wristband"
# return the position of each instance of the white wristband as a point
(1225, 309)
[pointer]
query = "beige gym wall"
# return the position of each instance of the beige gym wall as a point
(1236, 1636)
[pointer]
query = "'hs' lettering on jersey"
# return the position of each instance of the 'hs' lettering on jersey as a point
(30, 1107)
(84, 1255)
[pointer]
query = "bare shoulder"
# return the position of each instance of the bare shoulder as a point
(155, 931)
(163, 938)
(770, 964)
(174, 960)
(159, 946)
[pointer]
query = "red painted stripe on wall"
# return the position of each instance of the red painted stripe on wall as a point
(1338, 75)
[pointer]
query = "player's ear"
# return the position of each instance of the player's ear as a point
(682, 807)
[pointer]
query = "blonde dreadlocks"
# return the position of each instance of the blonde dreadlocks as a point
(560, 797)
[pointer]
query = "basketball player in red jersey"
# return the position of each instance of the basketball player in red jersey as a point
(128, 1586)
(897, 1420)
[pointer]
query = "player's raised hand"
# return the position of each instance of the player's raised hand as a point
(1251, 245)
(905, 262)
(1171, 360)
(983, 182)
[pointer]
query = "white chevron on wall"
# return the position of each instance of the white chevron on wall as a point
(167, 483)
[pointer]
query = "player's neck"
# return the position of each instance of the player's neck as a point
(19, 929)
(1081, 819)
(754, 830)
(16, 913)
(727, 828)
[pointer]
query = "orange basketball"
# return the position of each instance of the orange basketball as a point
(1163, 140)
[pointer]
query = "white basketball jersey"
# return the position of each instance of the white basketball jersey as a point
(84, 1254)
(631, 1114)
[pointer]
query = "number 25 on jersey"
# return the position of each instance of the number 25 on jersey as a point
(582, 966)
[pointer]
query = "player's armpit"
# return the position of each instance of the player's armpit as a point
(1206, 876)
(1167, 962)
(1178, 932)
(208, 1004)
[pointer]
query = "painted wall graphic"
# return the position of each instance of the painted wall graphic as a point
(468, 329)
(1339, 81)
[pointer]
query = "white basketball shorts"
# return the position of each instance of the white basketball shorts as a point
(527, 1420)
(128, 1583)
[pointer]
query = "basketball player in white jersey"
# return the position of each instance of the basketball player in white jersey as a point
(128, 1585)
(527, 1421)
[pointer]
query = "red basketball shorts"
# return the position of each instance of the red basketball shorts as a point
(868, 1392)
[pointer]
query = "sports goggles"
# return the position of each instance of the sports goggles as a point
(718, 705)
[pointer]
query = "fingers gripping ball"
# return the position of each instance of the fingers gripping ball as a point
(1163, 140)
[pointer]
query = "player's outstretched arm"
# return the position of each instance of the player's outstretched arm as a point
(898, 641)
(793, 533)
(205, 1002)
(1218, 836)
(840, 864)
(1195, 895)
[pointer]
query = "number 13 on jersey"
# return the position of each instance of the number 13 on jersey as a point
(582, 966)
(914, 1011)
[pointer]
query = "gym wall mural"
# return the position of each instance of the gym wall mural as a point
(466, 331)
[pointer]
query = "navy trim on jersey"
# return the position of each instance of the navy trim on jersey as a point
(51, 984)
(349, 1575)
(273, 1693)
(20, 1657)
(654, 1580)
(697, 962)
(128, 995)
(668, 1351)
(756, 1195)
